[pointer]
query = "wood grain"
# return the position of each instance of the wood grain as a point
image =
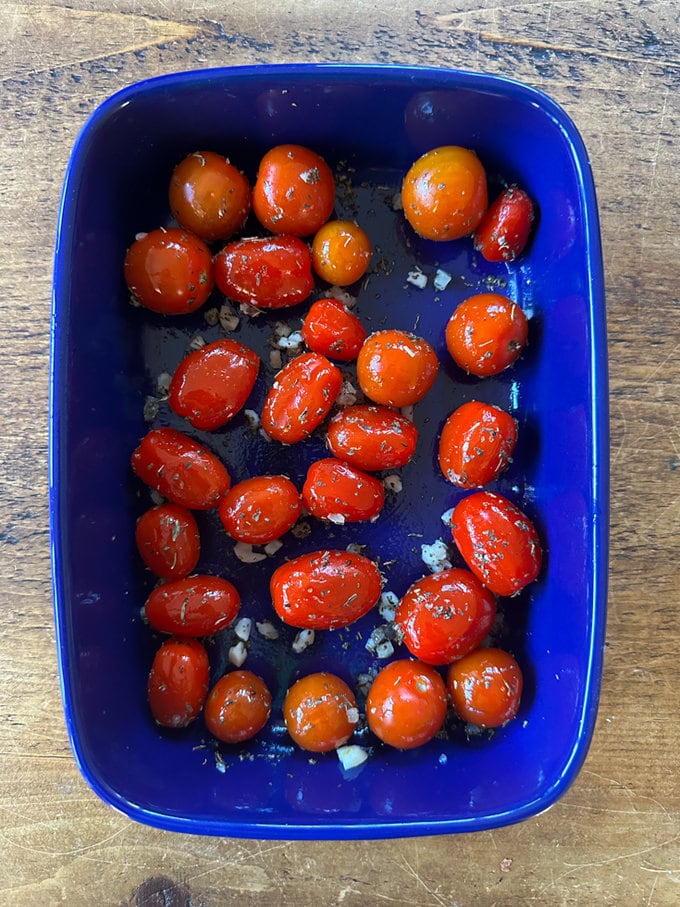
(615, 837)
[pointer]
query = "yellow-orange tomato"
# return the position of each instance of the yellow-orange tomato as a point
(444, 194)
(320, 712)
(341, 252)
(396, 368)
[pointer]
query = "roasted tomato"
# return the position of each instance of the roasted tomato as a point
(341, 252)
(444, 193)
(505, 228)
(193, 606)
(486, 334)
(406, 705)
(476, 444)
(169, 271)
(325, 590)
(269, 272)
(301, 397)
(396, 368)
(485, 687)
(181, 469)
(320, 712)
(294, 192)
(498, 542)
(237, 707)
(168, 541)
(338, 492)
(209, 196)
(445, 615)
(372, 437)
(332, 330)
(178, 682)
(261, 509)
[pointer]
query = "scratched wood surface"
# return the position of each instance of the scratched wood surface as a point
(615, 837)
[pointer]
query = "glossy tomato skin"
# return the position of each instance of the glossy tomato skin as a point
(320, 712)
(372, 438)
(445, 615)
(169, 271)
(486, 333)
(237, 707)
(331, 329)
(338, 492)
(476, 444)
(396, 368)
(212, 384)
(178, 682)
(209, 196)
(168, 540)
(192, 606)
(294, 191)
(261, 509)
(181, 469)
(406, 705)
(498, 542)
(485, 687)
(325, 589)
(504, 230)
(341, 252)
(270, 272)
(301, 397)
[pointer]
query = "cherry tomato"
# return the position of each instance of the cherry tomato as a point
(395, 368)
(332, 330)
(181, 469)
(320, 712)
(406, 705)
(485, 687)
(193, 606)
(261, 509)
(444, 193)
(504, 230)
(294, 192)
(325, 590)
(338, 492)
(341, 252)
(476, 444)
(209, 196)
(212, 384)
(486, 334)
(445, 615)
(168, 541)
(268, 272)
(498, 542)
(301, 397)
(178, 682)
(237, 707)
(169, 271)
(372, 437)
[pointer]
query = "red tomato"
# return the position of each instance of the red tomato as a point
(396, 368)
(320, 712)
(259, 510)
(178, 682)
(268, 272)
(237, 707)
(212, 384)
(181, 469)
(193, 606)
(169, 271)
(498, 542)
(486, 334)
(301, 397)
(372, 437)
(325, 590)
(209, 196)
(168, 541)
(476, 444)
(445, 615)
(485, 687)
(504, 230)
(294, 192)
(341, 252)
(338, 492)
(406, 705)
(332, 330)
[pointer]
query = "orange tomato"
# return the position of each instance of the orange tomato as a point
(486, 334)
(320, 712)
(237, 707)
(341, 252)
(209, 196)
(485, 687)
(396, 368)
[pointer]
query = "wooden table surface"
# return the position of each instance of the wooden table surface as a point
(615, 836)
